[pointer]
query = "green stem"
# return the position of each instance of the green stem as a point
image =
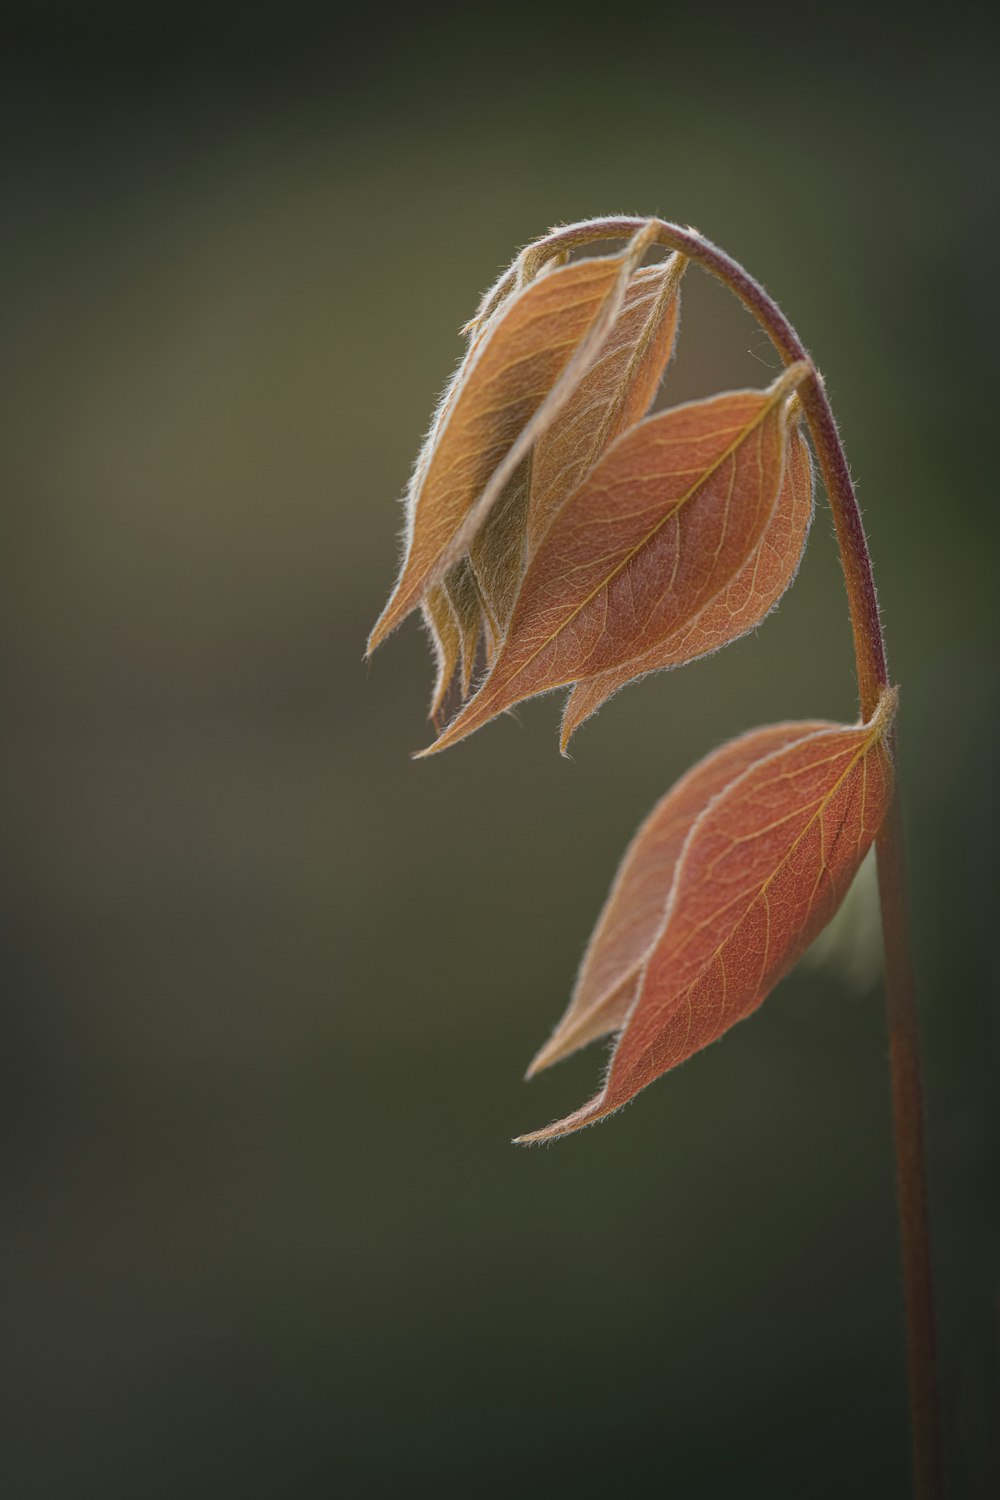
(873, 678)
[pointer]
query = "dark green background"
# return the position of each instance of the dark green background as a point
(270, 985)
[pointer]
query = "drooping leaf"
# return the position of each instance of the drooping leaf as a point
(467, 605)
(608, 981)
(659, 526)
(737, 608)
(497, 550)
(763, 868)
(615, 393)
(446, 640)
(518, 374)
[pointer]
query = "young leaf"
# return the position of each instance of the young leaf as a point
(662, 523)
(613, 395)
(737, 608)
(518, 374)
(467, 606)
(497, 550)
(608, 981)
(764, 866)
(446, 640)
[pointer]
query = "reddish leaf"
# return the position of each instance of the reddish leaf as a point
(738, 607)
(633, 913)
(442, 627)
(497, 550)
(662, 523)
(467, 605)
(520, 371)
(764, 867)
(613, 395)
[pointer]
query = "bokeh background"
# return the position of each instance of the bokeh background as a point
(269, 985)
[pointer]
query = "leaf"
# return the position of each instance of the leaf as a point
(497, 550)
(764, 866)
(614, 394)
(608, 981)
(664, 521)
(519, 372)
(738, 607)
(442, 627)
(467, 606)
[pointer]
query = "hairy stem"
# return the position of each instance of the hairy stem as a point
(873, 677)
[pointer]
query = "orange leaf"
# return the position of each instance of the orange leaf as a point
(608, 981)
(614, 394)
(467, 606)
(497, 549)
(764, 866)
(738, 607)
(662, 523)
(442, 627)
(521, 369)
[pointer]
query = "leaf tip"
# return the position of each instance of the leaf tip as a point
(541, 1060)
(428, 750)
(588, 1114)
(384, 626)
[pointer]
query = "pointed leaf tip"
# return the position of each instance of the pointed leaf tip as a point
(521, 368)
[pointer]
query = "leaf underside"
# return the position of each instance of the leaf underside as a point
(735, 609)
(761, 871)
(658, 529)
(511, 379)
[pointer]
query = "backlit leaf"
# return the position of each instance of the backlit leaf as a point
(442, 627)
(608, 981)
(764, 866)
(737, 608)
(464, 597)
(497, 550)
(520, 371)
(659, 526)
(614, 394)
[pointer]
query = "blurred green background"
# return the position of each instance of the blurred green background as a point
(269, 985)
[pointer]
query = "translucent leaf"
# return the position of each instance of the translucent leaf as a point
(738, 607)
(520, 371)
(764, 867)
(664, 521)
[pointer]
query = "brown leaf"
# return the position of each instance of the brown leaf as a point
(497, 550)
(615, 393)
(442, 627)
(663, 522)
(762, 870)
(738, 607)
(608, 981)
(517, 376)
(467, 605)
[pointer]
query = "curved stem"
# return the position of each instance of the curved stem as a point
(873, 678)
(869, 647)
